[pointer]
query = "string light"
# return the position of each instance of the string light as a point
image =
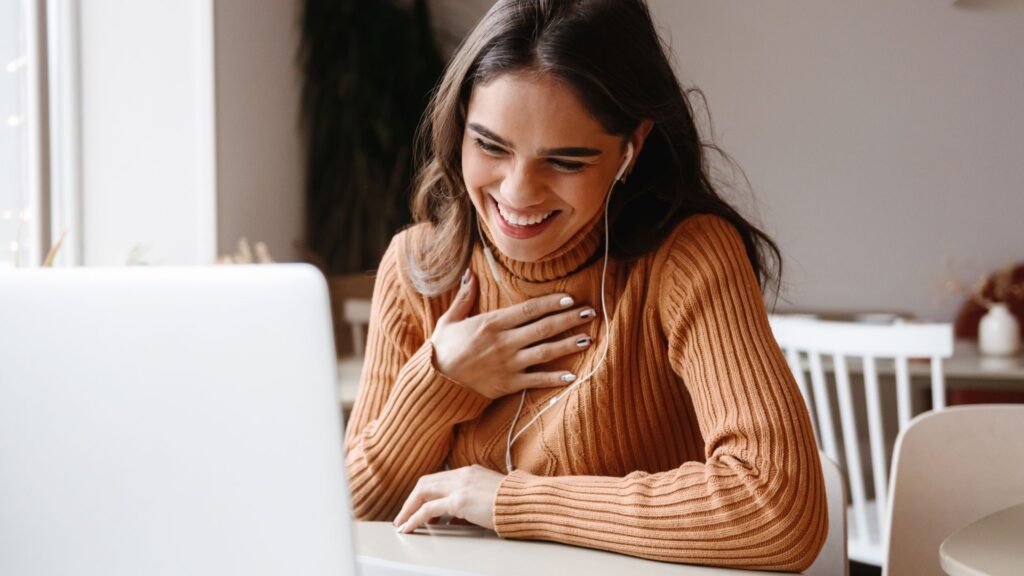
(14, 121)
(16, 64)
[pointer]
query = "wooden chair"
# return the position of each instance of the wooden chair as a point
(812, 346)
(832, 560)
(950, 469)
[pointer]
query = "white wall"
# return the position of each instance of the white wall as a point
(190, 129)
(147, 131)
(879, 137)
(260, 168)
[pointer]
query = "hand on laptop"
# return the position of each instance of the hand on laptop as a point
(466, 493)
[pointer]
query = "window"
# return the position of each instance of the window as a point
(20, 165)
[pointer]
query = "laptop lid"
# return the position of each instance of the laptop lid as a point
(170, 421)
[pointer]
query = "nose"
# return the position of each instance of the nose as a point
(522, 187)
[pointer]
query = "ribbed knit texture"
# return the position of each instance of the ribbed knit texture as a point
(690, 444)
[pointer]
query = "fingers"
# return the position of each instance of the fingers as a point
(543, 353)
(464, 299)
(542, 380)
(433, 492)
(431, 509)
(468, 492)
(531, 310)
(425, 490)
(550, 326)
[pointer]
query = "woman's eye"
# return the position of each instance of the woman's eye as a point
(487, 147)
(567, 165)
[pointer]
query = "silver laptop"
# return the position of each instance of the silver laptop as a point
(170, 421)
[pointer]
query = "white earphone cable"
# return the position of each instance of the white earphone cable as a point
(604, 353)
(607, 332)
(604, 312)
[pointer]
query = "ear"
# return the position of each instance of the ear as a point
(638, 138)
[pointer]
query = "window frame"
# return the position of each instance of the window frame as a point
(64, 192)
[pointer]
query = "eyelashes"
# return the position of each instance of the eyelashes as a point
(487, 146)
(567, 165)
(563, 165)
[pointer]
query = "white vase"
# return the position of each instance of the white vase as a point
(998, 332)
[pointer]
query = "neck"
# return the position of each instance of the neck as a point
(575, 254)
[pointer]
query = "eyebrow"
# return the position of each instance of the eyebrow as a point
(569, 151)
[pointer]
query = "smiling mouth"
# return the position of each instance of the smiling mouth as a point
(522, 220)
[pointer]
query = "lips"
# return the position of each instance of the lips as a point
(519, 225)
(521, 220)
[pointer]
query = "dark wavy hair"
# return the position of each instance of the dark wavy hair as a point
(609, 54)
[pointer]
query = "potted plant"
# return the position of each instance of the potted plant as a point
(369, 67)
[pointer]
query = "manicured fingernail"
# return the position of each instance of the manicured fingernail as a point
(465, 277)
(568, 377)
(588, 313)
(566, 302)
(583, 341)
(401, 528)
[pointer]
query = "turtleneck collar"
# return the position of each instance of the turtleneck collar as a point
(570, 257)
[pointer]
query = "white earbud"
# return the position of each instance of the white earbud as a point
(621, 175)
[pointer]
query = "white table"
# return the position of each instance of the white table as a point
(992, 546)
(462, 551)
(967, 363)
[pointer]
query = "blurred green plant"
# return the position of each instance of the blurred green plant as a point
(369, 68)
(51, 256)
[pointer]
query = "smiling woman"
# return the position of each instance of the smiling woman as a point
(571, 344)
(537, 173)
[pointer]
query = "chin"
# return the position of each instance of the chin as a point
(516, 250)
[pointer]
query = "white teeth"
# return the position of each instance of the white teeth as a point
(517, 220)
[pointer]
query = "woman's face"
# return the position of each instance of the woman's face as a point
(537, 166)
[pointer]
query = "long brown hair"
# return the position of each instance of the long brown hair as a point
(609, 54)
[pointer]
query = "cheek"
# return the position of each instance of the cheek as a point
(585, 196)
(478, 172)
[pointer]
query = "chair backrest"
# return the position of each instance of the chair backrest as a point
(950, 469)
(356, 314)
(832, 560)
(812, 346)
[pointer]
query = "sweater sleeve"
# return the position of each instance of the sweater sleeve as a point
(758, 499)
(403, 419)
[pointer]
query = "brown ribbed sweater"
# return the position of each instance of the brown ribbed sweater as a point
(690, 444)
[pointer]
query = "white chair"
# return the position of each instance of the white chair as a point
(950, 469)
(356, 313)
(813, 345)
(832, 559)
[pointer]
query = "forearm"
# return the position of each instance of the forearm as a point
(410, 437)
(724, 512)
